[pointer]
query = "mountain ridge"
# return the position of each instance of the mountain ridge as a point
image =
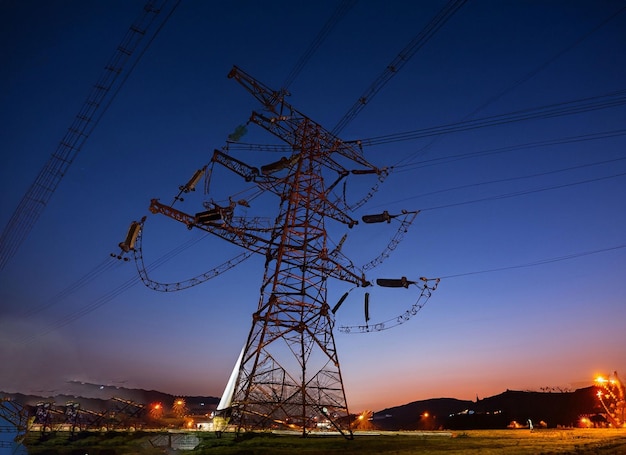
(507, 409)
(499, 411)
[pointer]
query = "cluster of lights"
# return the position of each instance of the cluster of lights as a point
(611, 394)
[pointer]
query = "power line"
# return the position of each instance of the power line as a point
(339, 12)
(524, 192)
(511, 179)
(109, 262)
(129, 283)
(463, 156)
(613, 99)
(610, 100)
(103, 299)
(93, 109)
(538, 262)
(62, 322)
(401, 59)
(106, 298)
(528, 76)
(90, 276)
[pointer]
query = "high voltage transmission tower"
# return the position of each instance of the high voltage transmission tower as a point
(288, 374)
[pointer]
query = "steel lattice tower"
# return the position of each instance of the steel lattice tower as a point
(289, 372)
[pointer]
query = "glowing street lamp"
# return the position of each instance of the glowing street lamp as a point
(179, 407)
(156, 410)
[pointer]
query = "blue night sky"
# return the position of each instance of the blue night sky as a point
(523, 221)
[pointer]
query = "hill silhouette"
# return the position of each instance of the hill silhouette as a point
(549, 409)
(99, 399)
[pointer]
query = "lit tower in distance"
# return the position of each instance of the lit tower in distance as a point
(289, 372)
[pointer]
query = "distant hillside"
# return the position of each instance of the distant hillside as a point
(99, 398)
(418, 414)
(553, 409)
(563, 408)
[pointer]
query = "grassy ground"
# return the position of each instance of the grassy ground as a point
(483, 442)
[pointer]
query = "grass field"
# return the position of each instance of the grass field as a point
(507, 442)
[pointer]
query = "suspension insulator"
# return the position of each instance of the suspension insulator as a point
(367, 306)
(191, 184)
(208, 217)
(279, 165)
(394, 283)
(365, 171)
(341, 300)
(129, 242)
(379, 218)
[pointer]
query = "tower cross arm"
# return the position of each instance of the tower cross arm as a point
(268, 97)
(291, 126)
(349, 274)
(329, 209)
(338, 266)
(249, 173)
(239, 235)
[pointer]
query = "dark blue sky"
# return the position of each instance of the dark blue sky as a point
(494, 198)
